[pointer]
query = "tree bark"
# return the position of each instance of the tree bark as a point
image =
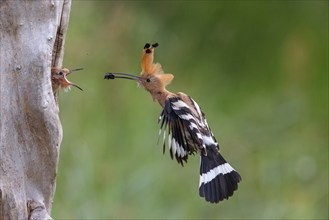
(32, 41)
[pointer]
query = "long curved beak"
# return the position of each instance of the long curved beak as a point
(121, 75)
(68, 83)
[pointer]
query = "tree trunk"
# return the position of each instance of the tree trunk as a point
(32, 39)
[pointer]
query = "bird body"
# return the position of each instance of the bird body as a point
(185, 130)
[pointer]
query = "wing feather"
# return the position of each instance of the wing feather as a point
(184, 136)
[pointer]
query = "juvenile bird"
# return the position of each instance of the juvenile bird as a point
(185, 130)
(58, 79)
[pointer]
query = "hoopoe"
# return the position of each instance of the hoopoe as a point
(185, 130)
(58, 79)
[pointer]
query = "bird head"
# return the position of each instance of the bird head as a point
(152, 77)
(58, 77)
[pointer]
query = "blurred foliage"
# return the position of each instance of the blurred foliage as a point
(258, 69)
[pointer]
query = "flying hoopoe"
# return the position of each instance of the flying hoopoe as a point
(185, 129)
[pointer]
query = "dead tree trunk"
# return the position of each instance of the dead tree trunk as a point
(32, 39)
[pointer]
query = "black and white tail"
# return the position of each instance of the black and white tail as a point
(218, 180)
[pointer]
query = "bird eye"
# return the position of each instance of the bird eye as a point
(148, 80)
(60, 73)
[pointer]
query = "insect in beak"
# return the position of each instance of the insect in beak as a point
(121, 75)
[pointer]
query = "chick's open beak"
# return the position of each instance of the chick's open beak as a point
(65, 83)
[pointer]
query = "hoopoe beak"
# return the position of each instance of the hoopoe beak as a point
(74, 70)
(65, 83)
(122, 76)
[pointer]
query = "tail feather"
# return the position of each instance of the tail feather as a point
(214, 191)
(218, 180)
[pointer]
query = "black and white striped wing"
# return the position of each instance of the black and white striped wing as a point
(192, 119)
(177, 131)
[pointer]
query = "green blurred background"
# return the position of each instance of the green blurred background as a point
(258, 69)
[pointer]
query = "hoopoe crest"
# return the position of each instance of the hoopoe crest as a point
(185, 130)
